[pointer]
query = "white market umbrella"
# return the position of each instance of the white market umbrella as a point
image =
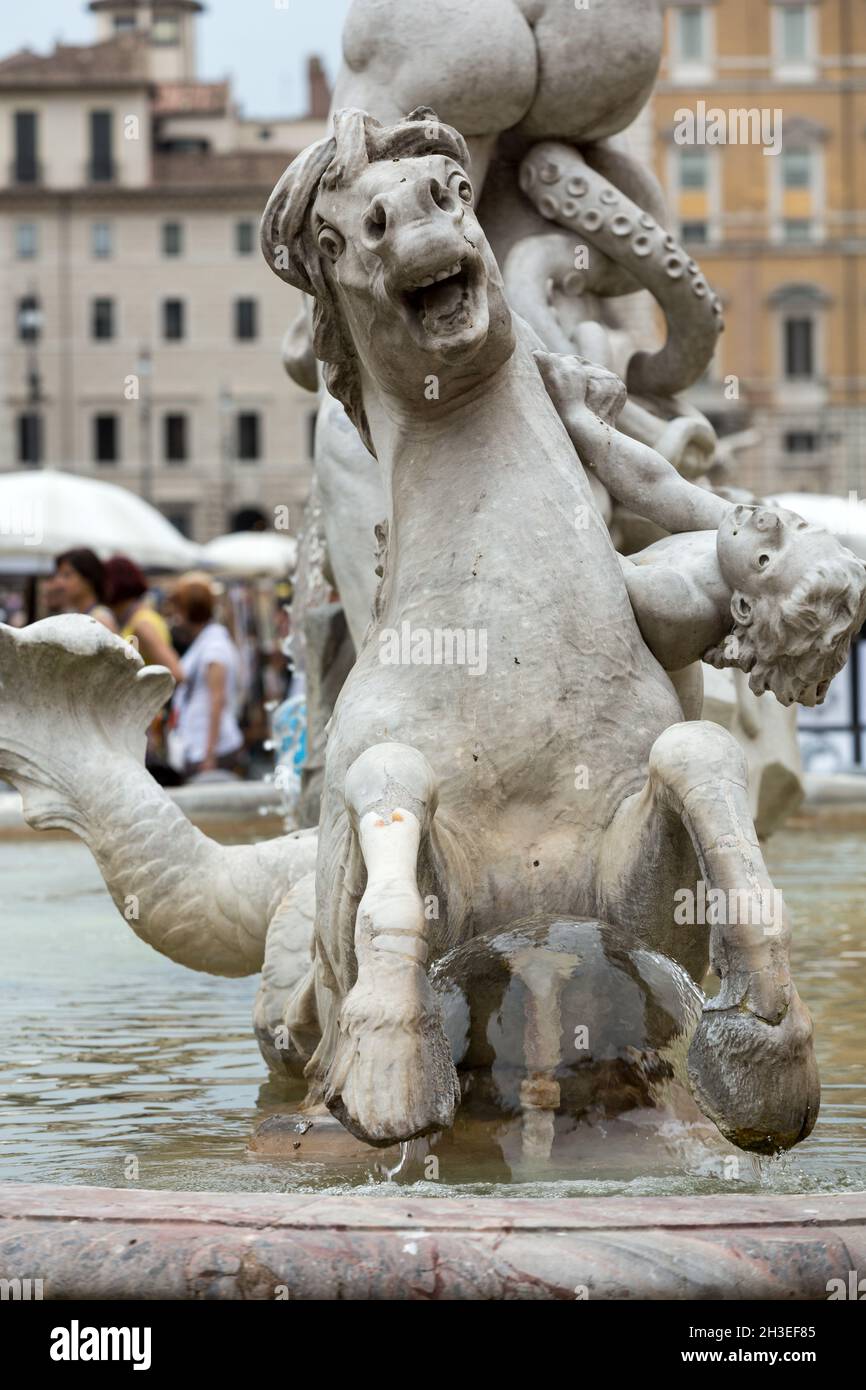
(251, 555)
(844, 517)
(45, 511)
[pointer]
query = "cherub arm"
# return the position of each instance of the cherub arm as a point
(674, 618)
(588, 400)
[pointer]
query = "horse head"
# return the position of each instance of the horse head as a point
(377, 223)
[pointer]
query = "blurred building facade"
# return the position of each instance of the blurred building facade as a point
(141, 327)
(781, 236)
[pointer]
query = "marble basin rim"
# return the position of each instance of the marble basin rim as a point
(101, 1243)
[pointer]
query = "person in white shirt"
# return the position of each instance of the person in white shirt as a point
(206, 727)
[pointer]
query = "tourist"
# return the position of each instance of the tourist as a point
(138, 620)
(79, 585)
(206, 734)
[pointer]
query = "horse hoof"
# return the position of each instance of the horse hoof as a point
(757, 1081)
(392, 1078)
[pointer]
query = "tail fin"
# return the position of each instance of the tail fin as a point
(72, 695)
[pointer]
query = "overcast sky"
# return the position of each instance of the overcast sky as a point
(261, 44)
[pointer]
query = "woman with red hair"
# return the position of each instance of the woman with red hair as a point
(139, 623)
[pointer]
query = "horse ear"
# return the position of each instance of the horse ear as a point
(422, 115)
(350, 133)
(741, 608)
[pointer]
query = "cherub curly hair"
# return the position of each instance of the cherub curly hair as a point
(795, 646)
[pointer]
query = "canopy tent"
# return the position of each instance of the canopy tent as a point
(251, 555)
(46, 511)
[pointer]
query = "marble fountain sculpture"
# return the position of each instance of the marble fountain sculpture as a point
(539, 815)
(577, 224)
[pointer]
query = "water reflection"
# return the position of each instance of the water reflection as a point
(119, 1068)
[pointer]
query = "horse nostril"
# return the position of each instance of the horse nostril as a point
(376, 221)
(441, 196)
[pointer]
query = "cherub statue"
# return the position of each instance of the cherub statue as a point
(753, 587)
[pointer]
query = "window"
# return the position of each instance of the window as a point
(26, 163)
(797, 229)
(123, 23)
(106, 436)
(175, 439)
(30, 438)
(245, 238)
(28, 319)
(799, 348)
(101, 161)
(100, 240)
(172, 239)
(102, 319)
(695, 232)
(797, 168)
(794, 34)
(249, 436)
(25, 241)
(693, 169)
(173, 326)
(246, 316)
(795, 40)
(165, 30)
(800, 442)
(185, 146)
(692, 34)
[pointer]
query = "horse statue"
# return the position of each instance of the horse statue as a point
(576, 221)
(457, 785)
(506, 748)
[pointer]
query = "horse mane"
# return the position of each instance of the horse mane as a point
(288, 234)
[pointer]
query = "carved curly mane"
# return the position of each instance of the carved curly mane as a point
(288, 236)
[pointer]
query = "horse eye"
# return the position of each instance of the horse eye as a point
(331, 244)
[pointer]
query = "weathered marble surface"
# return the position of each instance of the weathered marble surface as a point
(100, 1243)
(375, 224)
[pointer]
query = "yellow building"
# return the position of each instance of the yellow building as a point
(760, 132)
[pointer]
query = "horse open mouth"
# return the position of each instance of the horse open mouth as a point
(444, 303)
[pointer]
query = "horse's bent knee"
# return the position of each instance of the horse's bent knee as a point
(390, 775)
(696, 751)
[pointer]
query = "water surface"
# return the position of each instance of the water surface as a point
(119, 1068)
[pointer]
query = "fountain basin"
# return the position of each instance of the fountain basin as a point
(96, 1243)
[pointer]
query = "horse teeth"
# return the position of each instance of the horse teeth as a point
(422, 284)
(444, 275)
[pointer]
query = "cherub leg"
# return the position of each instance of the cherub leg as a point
(391, 1077)
(751, 1062)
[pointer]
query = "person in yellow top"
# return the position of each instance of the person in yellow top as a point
(126, 589)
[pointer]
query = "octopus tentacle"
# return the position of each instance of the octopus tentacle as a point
(567, 191)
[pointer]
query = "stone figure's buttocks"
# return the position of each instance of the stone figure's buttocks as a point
(544, 67)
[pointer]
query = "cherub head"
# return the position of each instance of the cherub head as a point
(798, 600)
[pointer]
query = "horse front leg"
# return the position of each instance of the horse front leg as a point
(751, 1063)
(391, 1076)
